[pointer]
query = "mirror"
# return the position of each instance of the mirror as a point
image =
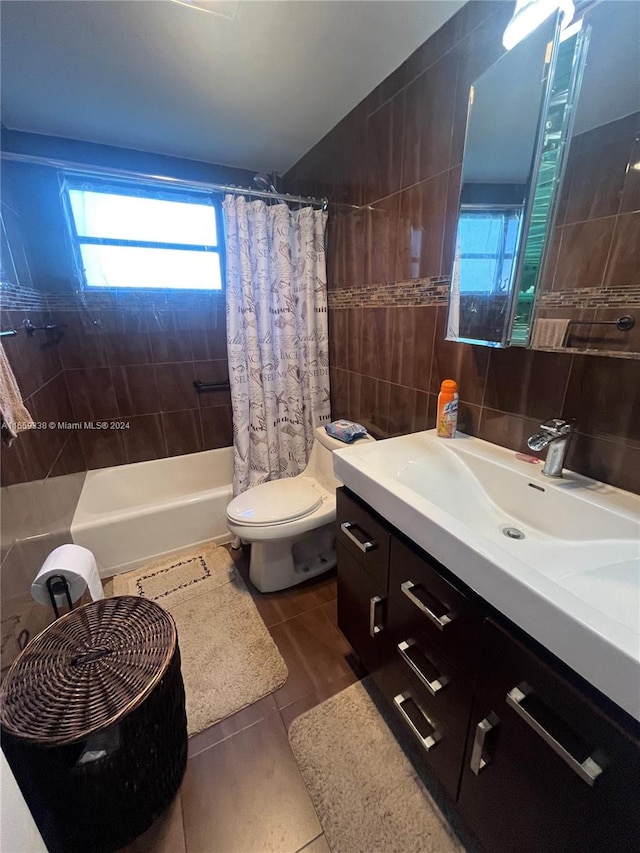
(591, 274)
(516, 124)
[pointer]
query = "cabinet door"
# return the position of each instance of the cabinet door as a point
(362, 610)
(544, 771)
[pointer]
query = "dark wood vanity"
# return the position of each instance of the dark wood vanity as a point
(534, 758)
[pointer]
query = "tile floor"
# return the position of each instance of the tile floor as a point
(242, 791)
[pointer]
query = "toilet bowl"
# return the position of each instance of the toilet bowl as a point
(290, 523)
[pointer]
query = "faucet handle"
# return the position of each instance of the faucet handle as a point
(557, 427)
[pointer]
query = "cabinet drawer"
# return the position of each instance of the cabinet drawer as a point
(434, 607)
(446, 691)
(362, 611)
(363, 536)
(545, 769)
(437, 747)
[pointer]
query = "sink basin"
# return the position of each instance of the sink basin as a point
(539, 549)
(557, 527)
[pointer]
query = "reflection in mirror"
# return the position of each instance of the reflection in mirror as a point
(500, 154)
(565, 83)
(591, 272)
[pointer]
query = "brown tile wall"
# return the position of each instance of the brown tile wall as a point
(133, 363)
(392, 171)
(126, 357)
(599, 207)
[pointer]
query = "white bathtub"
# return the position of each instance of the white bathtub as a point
(130, 514)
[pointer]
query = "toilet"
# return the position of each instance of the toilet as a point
(290, 523)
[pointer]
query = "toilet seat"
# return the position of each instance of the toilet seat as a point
(275, 502)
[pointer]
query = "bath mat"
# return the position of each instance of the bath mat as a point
(229, 660)
(365, 791)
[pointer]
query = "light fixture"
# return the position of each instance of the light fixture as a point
(528, 16)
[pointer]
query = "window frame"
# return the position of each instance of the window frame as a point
(138, 189)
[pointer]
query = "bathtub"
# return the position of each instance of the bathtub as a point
(129, 514)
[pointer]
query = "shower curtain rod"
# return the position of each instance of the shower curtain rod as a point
(142, 177)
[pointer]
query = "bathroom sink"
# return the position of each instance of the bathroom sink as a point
(557, 527)
(546, 552)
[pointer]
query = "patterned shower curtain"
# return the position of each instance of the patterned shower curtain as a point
(277, 336)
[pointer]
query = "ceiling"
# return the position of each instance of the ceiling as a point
(255, 84)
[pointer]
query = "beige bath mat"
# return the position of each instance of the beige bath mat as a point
(228, 657)
(366, 793)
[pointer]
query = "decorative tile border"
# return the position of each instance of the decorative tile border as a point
(420, 291)
(13, 297)
(591, 297)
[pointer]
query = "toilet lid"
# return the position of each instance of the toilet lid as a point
(275, 502)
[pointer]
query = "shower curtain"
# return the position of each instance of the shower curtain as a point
(277, 337)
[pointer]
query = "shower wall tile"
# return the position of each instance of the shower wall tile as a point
(102, 448)
(144, 438)
(175, 386)
(217, 427)
(170, 336)
(136, 389)
(182, 432)
(92, 393)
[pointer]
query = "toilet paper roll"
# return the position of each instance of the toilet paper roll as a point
(74, 563)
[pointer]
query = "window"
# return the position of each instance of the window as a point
(128, 236)
(487, 241)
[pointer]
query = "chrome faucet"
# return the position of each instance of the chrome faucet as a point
(554, 434)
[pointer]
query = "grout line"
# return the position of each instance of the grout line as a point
(302, 613)
(233, 734)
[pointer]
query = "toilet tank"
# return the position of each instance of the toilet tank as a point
(320, 465)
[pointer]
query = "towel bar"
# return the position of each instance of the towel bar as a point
(623, 324)
(201, 387)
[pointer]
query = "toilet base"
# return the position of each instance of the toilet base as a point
(282, 563)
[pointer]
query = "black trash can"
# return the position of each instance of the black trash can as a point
(94, 724)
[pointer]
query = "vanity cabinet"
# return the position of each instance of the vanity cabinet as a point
(546, 770)
(532, 761)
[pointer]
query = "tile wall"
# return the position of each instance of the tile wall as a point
(599, 206)
(392, 169)
(126, 359)
(127, 362)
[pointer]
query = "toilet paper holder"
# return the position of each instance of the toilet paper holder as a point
(58, 585)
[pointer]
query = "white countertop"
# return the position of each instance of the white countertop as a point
(573, 582)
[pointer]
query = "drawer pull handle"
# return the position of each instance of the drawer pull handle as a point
(367, 545)
(374, 627)
(439, 621)
(478, 759)
(435, 684)
(428, 742)
(588, 769)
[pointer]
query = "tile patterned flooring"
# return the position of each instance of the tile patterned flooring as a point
(242, 791)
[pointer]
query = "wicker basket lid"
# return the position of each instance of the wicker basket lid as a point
(87, 670)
